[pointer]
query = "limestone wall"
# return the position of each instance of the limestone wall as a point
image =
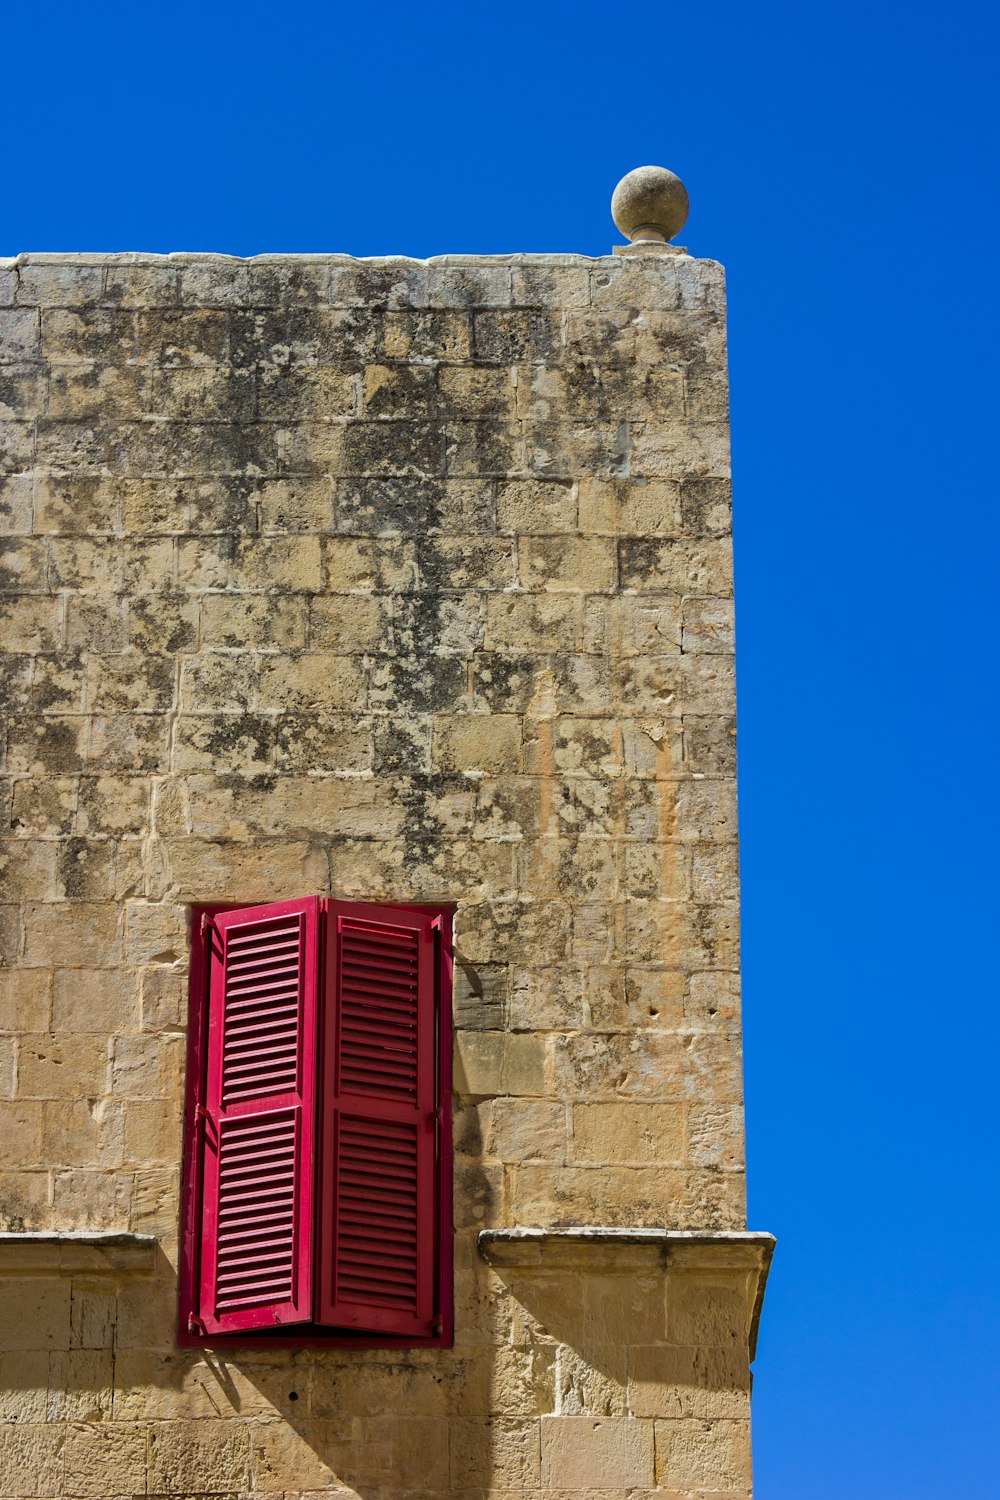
(389, 580)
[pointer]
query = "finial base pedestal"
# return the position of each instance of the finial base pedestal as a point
(649, 247)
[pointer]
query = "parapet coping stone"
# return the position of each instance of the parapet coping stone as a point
(65, 1252)
(85, 258)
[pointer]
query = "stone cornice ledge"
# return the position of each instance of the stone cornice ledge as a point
(55, 1253)
(596, 1247)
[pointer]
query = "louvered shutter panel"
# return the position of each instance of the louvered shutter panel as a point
(378, 1221)
(257, 1120)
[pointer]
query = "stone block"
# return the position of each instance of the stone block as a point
(152, 1132)
(99, 1001)
(80, 1133)
(147, 1318)
(72, 934)
(546, 999)
(154, 1200)
(708, 626)
(500, 931)
(707, 1310)
(15, 489)
(501, 1452)
(438, 335)
(706, 507)
(148, 1067)
(24, 1000)
(479, 1059)
(628, 1133)
(31, 622)
(525, 1067)
(713, 1001)
(648, 1066)
(469, 391)
(162, 1000)
(81, 1385)
(129, 743)
(630, 508)
(516, 1130)
(21, 1133)
(86, 393)
(24, 1196)
(701, 1453)
(532, 622)
(112, 805)
(316, 682)
(596, 1453)
(255, 621)
(671, 1380)
(627, 1196)
(350, 623)
(62, 1067)
(23, 566)
(85, 1199)
(480, 996)
(82, 505)
(477, 743)
(36, 1316)
(360, 564)
(586, 867)
(155, 933)
(593, 1383)
(188, 1458)
(32, 1460)
(527, 506)
(19, 334)
(24, 1379)
(289, 394)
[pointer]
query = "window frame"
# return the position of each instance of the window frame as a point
(306, 1335)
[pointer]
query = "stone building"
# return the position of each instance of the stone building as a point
(408, 585)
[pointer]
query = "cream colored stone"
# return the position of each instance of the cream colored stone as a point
(479, 1057)
(73, 934)
(100, 1001)
(596, 1453)
(65, 1067)
(183, 1454)
(36, 1315)
(24, 999)
(477, 743)
(32, 1460)
(24, 1381)
(692, 1452)
(624, 1133)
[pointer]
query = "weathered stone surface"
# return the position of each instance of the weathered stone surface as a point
(399, 581)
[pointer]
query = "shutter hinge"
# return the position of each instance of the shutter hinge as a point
(437, 1328)
(195, 1325)
(206, 922)
(200, 1112)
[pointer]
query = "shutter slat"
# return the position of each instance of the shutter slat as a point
(258, 1139)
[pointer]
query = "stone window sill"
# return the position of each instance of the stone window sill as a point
(74, 1251)
(587, 1249)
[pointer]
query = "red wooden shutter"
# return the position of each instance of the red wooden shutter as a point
(258, 1118)
(378, 1220)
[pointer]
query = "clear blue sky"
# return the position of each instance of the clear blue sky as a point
(842, 162)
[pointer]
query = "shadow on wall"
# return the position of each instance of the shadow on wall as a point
(640, 1385)
(96, 1399)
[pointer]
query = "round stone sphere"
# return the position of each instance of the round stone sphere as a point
(650, 204)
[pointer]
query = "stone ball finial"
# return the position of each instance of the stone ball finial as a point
(650, 204)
